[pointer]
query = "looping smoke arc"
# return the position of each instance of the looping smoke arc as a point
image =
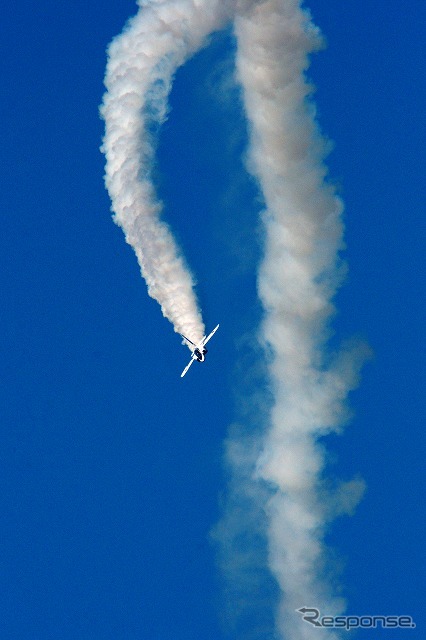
(281, 472)
(141, 64)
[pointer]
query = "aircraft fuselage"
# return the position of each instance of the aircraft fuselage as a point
(198, 350)
(200, 354)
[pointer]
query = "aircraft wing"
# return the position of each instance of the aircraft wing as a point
(205, 340)
(187, 366)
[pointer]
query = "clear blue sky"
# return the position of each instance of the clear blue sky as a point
(110, 464)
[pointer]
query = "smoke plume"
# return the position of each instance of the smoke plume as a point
(279, 500)
(141, 63)
(297, 280)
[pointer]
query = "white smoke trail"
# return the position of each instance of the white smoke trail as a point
(140, 69)
(297, 280)
(279, 474)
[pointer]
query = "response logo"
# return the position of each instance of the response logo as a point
(313, 617)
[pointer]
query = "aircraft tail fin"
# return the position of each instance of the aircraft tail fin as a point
(188, 340)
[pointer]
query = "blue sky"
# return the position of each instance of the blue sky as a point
(111, 466)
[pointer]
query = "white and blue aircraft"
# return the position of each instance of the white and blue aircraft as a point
(199, 350)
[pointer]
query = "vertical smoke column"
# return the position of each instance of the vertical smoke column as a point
(139, 74)
(297, 280)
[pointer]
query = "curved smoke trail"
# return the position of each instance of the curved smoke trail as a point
(297, 280)
(142, 62)
(278, 477)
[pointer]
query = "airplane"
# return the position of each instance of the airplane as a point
(199, 351)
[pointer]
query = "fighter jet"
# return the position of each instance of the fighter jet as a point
(199, 351)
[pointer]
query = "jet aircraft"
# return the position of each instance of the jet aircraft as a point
(199, 350)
